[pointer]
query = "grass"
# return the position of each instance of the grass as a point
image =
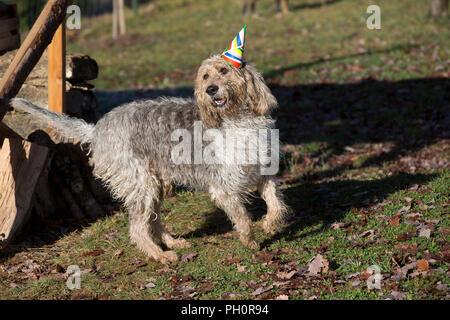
(364, 120)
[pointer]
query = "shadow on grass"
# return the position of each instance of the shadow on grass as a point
(408, 115)
(313, 5)
(317, 202)
(268, 75)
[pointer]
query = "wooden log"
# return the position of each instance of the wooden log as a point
(80, 68)
(31, 49)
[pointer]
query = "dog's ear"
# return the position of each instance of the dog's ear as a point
(259, 97)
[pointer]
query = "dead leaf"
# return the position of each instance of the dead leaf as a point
(258, 291)
(282, 297)
(423, 266)
(356, 282)
(394, 221)
(286, 275)
(93, 253)
(318, 265)
(240, 268)
(188, 256)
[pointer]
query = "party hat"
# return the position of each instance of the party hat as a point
(233, 54)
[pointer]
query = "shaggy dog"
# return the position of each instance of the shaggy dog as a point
(132, 149)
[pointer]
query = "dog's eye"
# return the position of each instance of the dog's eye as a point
(205, 76)
(224, 71)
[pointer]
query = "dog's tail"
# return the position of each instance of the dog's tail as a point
(66, 127)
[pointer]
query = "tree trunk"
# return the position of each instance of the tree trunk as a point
(438, 8)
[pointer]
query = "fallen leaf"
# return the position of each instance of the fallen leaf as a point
(117, 253)
(422, 265)
(318, 265)
(93, 253)
(188, 256)
(240, 268)
(257, 291)
(356, 282)
(282, 297)
(394, 221)
(286, 275)
(397, 295)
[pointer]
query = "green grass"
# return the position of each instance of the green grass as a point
(363, 120)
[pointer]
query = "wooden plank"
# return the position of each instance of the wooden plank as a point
(57, 71)
(31, 50)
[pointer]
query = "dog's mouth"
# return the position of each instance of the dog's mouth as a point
(219, 102)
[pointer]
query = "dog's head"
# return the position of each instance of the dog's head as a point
(225, 92)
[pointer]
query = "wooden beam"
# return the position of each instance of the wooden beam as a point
(31, 50)
(57, 71)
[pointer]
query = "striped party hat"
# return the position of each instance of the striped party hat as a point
(234, 53)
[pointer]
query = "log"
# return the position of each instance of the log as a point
(80, 67)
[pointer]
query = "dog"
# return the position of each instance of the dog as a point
(131, 149)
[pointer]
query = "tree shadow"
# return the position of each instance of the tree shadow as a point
(268, 75)
(311, 203)
(313, 5)
(405, 115)
(329, 202)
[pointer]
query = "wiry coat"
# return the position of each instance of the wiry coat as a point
(131, 150)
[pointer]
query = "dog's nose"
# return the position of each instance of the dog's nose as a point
(212, 90)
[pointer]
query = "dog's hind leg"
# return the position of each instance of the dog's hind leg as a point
(143, 204)
(236, 211)
(276, 208)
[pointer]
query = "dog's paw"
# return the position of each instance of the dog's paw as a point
(270, 226)
(250, 243)
(179, 243)
(168, 257)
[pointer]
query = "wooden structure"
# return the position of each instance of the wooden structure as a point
(119, 23)
(21, 162)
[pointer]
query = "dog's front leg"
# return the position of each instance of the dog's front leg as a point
(236, 211)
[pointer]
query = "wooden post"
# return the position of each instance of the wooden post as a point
(119, 23)
(115, 18)
(122, 23)
(57, 71)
